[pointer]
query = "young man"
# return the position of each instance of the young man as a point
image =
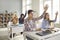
(29, 23)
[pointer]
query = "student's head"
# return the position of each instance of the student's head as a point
(46, 16)
(30, 13)
(6, 11)
(14, 16)
(22, 15)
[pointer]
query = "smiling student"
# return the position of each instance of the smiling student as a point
(46, 21)
(29, 23)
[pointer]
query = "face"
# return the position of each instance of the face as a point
(47, 16)
(31, 15)
(22, 16)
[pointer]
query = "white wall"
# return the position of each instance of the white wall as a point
(35, 5)
(11, 5)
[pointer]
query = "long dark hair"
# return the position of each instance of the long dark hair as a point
(45, 16)
(48, 18)
(21, 15)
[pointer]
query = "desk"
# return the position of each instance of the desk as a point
(52, 36)
(16, 29)
(4, 34)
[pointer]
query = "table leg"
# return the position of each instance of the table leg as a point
(12, 35)
(24, 36)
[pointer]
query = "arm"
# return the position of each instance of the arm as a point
(45, 9)
(55, 18)
(25, 15)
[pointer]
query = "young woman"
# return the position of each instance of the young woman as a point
(15, 19)
(47, 22)
(21, 19)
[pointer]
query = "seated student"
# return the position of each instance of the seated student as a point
(15, 19)
(29, 23)
(13, 22)
(21, 19)
(46, 21)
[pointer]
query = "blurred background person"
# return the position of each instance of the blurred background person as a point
(21, 19)
(47, 22)
(14, 19)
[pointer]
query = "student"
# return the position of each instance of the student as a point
(13, 22)
(46, 21)
(29, 23)
(15, 19)
(21, 19)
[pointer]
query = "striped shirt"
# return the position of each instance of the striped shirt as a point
(30, 24)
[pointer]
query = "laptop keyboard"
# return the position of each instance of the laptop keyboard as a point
(43, 33)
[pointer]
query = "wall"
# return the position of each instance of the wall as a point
(11, 6)
(35, 5)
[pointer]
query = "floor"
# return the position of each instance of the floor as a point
(19, 37)
(4, 36)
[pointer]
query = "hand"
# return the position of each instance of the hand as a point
(56, 13)
(38, 29)
(46, 7)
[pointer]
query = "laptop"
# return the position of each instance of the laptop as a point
(43, 33)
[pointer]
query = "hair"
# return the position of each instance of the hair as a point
(22, 15)
(45, 16)
(29, 11)
(48, 18)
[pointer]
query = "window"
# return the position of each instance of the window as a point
(41, 8)
(53, 7)
(26, 5)
(49, 7)
(42, 4)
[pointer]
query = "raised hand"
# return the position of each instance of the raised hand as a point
(56, 13)
(46, 7)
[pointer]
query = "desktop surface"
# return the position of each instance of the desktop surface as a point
(43, 33)
(47, 36)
